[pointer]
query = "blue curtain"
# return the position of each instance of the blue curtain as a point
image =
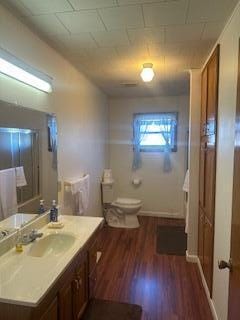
(166, 123)
(139, 128)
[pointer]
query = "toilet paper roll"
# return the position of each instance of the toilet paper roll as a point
(136, 182)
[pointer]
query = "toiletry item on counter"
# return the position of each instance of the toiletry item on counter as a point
(54, 212)
(19, 246)
(55, 225)
(41, 207)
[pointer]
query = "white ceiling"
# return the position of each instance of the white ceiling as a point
(109, 40)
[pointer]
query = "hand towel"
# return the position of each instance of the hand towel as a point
(8, 193)
(80, 189)
(186, 182)
(20, 177)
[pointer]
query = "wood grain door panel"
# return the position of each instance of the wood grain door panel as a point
(208, 252)
(210, 178)
(212, 93)
(201, 236)
(204, 102)
(207, 165)
(80, 290)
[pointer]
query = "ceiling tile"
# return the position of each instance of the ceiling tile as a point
(18, 7)
(165, 13)
(100, 54)
(122, 17)
(92, 4)
(73, 43)
(127, 2)
(84, 21)
(111, 38)
(146, 35)
(187, 32)
(205, 10)
(48, 24)
(46, 6)
(133, 52)
(212, 30)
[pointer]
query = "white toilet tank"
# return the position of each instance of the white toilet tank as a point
(107, 192)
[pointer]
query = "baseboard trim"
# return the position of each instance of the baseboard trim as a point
(195, 259)
(191, 258)
(174, 215)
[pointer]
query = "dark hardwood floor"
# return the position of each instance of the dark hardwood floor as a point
(130, 270)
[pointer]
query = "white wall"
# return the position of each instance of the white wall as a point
(229, 43)
(160, 192)
(81, 108)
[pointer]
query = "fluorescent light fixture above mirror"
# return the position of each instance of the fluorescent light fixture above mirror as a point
(19, 70)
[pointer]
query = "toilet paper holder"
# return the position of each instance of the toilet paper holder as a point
(136, 182)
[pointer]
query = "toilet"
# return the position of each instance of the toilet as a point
(122, 212)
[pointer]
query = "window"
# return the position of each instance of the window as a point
(155, 132)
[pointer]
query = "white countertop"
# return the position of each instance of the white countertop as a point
(25, 279)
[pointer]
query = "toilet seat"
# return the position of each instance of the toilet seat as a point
(127, 203)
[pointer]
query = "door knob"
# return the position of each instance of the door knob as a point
(225, 265)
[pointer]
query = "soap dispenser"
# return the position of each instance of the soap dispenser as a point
(41, 207)
(54, 212)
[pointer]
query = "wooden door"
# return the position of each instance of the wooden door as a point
(234, 284)
(207, 169)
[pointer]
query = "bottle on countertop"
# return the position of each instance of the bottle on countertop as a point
(41, 207)
(19, 246)
(54, 212)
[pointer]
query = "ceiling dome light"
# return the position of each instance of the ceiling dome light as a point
(147, 73)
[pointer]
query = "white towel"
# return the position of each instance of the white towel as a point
(80, 189)
(20, 177)
(186, 182)
(8, 193)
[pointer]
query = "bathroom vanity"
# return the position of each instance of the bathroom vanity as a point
(54, 277)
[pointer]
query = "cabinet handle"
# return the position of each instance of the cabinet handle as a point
(76, 283)
(80, 282)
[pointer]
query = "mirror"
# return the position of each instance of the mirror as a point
(28, 165)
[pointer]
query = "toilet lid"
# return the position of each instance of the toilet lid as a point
(127, 201)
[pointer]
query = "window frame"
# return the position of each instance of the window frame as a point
(157, 148)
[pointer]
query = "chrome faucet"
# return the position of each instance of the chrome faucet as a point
(30, 237)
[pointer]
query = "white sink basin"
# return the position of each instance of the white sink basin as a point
(52, 244)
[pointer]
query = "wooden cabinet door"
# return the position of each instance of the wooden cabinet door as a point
(52, 311)
(80, 290)
(207, 166)
(204, 102)
(212, 92)
(201, 236)
(92, 283)
(203, 148)
(66, 302)
(208, 252)
(210, 179)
